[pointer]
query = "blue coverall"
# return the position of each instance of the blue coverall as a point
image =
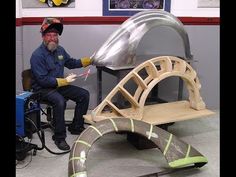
(46, 66)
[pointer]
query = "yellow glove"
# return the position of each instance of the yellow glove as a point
(86, 61)
(61, 82)
(65, 81)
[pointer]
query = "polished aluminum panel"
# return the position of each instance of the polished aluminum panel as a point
(120, 48)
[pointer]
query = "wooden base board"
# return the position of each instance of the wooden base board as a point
(172, 112)
(166, 113)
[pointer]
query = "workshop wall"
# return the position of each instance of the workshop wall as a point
(180, 8)
(83, 40)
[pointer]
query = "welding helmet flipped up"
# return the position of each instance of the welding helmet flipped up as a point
(51, 24)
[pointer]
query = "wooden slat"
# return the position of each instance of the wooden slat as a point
(140, 80)
(129, 97)
(152, 70)
(180, 66)
(114, 108)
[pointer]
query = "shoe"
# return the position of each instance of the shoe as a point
(75, 131)
(62, 145)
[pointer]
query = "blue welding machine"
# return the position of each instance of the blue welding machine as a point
(27, 113)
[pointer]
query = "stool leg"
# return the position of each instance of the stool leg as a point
(49, 113)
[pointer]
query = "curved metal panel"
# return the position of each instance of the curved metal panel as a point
(120, 48)
(177, 153)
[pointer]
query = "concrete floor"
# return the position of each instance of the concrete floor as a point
(113, 156)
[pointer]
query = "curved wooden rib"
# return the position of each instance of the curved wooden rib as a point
(157, 69)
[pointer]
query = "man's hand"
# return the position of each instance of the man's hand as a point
(71, 77)
(65, 81)
(86, 61)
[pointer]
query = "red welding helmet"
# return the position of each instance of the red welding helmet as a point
(51, 24)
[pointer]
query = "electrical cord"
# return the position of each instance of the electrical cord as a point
(28, 145)
(42, 139)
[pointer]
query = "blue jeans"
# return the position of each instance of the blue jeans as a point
(58, 98)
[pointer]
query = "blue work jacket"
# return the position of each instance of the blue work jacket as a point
(46, 66)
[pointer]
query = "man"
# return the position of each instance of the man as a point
(47, 65)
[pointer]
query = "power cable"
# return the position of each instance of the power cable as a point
(42, 139)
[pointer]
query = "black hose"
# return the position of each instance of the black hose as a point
(42, 139)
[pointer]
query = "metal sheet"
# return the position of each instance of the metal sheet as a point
(120, 48)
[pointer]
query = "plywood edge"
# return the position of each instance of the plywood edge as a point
(173, 112)
(165, 113)
(88, 119)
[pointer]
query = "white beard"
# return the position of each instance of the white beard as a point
(52, 46)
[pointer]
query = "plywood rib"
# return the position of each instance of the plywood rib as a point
(139, 81)
(129, 97)
(113, 107)
(179, 66)
(157, 69)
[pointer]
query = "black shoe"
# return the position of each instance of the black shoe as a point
(62, 145)
(75, 131)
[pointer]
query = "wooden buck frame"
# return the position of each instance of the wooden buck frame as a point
(156, 70)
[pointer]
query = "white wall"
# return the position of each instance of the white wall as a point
(188, 8)
(179, 8)
(18, 9)
(206, 54)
